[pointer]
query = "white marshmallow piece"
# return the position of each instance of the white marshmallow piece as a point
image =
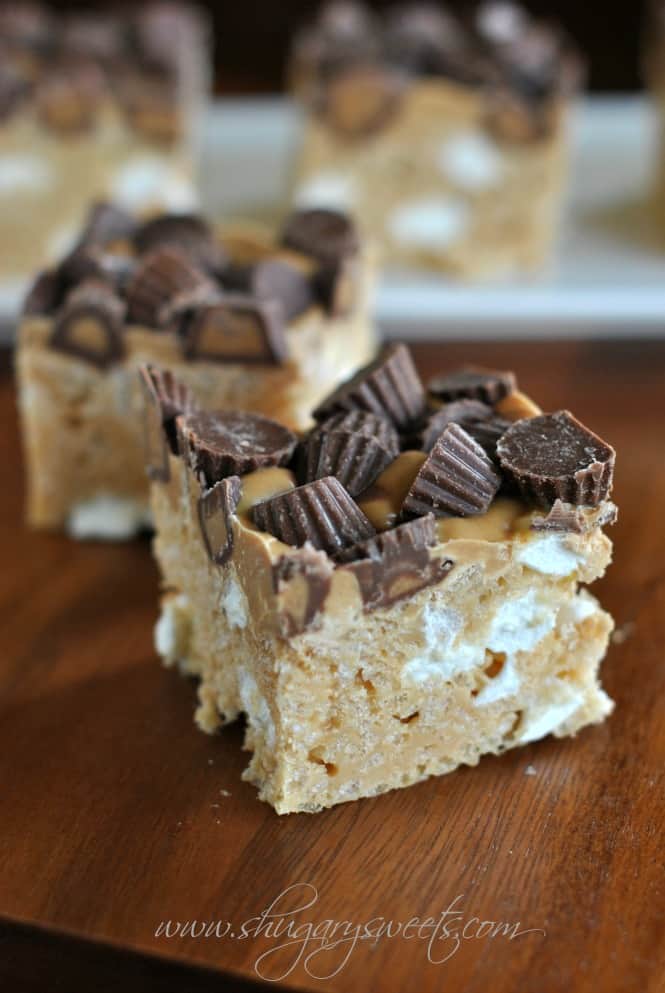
(430, 223)
(23, 172)
(471, 161)
(149, 179)
(326, 189)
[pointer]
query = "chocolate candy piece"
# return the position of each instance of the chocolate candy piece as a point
(362, 99)
(236, 328)
(360, 422)
(464, 412)
(164, 285)
(187, 233)
(91, 261)
(301, 579)
(321, 513)
(457, 479)
(44, 295)
(165, 398)
(396, 564)
(477, 384)
(354, 458)
(577, 520)
(90, 324)
(388, 387)
(274, 279)
(233, 442)
(555, 457)
(336, 286)
(326, 235)
(216, 508)
(488, 433)
(106, 222)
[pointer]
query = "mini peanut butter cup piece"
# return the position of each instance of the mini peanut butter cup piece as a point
(336, 286)
(488, 433)
(388, 387)
(233, 442)
(91, 261)
(164, 285)
(44, 295)
(360, 422)
(274, 279)
(327, 235)
(107, 222)
(553, 457)
(362, 99)
(236, 327)
(187, 233)
(164, 399)
(487, 385)
(397, 563)
(90, 324)
(457, 479)
(564, 517)
(356, 459)
(463, 412)
(321, 513)
(216, 508)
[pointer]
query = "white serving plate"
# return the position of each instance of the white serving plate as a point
(608, 274)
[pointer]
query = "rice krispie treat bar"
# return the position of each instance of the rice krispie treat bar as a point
(400, 591)
(93, 103)
(446, 136)
(247, 320)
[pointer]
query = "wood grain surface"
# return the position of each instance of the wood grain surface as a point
(116, 814)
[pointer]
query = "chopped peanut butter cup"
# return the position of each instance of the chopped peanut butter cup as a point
(553, 457)
(388, 387)
(274, 279)
(578, 520)
(457, 479)
(321, 513)
(164, 284)
(363, 99)
(354, 458)
(216, 508)
(326, 235)
(229, 443)
(397, 563)
(360, 422)
(302, 579)
(45, 294)
(107, 223)
(236, 328)
(488, 433)
(188, 233)
(90, 324)
(463, 412)
(486, 385)
(165, 398)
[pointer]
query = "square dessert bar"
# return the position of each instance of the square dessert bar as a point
(393, 594)
(446, 136)
(248, 320)
(93, 104)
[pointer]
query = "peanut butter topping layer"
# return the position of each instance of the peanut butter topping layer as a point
(299, 513)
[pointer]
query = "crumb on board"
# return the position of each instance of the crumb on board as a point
(623, 633)
(530, 771)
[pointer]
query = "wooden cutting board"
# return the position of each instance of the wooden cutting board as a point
(117, 815)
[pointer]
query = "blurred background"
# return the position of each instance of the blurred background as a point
(252, 38)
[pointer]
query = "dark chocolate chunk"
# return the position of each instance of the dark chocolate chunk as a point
(577, 520)
(486, 385)
(553, 457)
(354, 458)
(314, 569)
(236, 328)
(326, 235)
(44, 295)
(336, 286)
(274, 280)
(457, 479)
(164, 286)
(168, 397)
(216, 508)
(232, 443)
(362, 99)
(106, 223)
(321, 513)
(428, 41)
(360, 422)
(187, 233)
(464, 412)
(388, 387)
(396, 564)
(90, 324)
